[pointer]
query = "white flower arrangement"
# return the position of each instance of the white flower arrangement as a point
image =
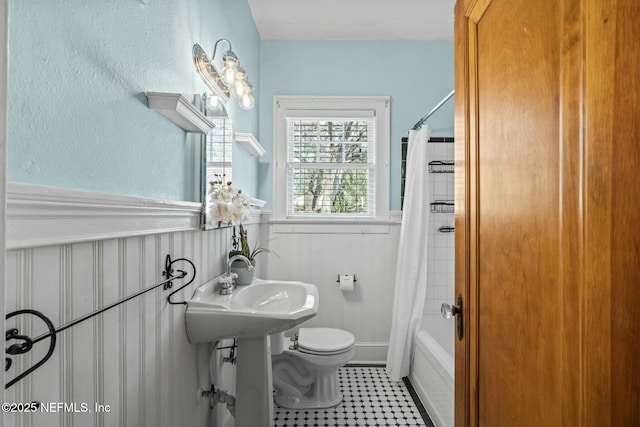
(228, 205)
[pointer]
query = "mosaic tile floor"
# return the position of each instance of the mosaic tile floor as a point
(370, 399)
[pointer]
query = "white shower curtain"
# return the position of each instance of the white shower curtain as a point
(411, 267)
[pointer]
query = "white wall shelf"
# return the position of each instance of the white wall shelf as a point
(180, 111)
(250, 143)
(258, 203)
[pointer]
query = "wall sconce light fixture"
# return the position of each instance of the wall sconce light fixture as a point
(231, 81)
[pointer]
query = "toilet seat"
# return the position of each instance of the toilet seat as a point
(324, 341)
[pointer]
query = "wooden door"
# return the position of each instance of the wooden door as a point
(547, 212)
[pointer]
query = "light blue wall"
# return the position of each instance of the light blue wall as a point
(78, 70)
(415, 74)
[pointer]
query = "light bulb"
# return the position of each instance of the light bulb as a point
(230, 67)
(247, 101)
(240, 73)
(228, 74)
(239, 88)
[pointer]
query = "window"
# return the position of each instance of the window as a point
(331, 159)
(330, 166)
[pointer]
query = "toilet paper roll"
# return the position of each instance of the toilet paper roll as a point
(346, 282)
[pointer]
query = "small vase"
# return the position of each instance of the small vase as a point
(245, 277)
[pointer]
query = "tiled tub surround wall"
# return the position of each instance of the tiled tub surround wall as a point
(432, 364)
(318, 258)
(135, 358)
(440, 273)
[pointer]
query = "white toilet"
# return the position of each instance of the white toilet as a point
(305, 367)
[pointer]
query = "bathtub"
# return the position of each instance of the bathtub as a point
(432, 368)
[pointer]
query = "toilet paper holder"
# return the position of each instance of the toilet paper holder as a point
(354, 278)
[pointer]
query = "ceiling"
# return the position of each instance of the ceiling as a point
(353, 19)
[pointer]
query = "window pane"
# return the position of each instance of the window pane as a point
(304, 152)
(356, 131)
(356, 153)
(305, 131)
(330, 191)
(331, 131)
(330, 153)
(330, 141)
(220, 140)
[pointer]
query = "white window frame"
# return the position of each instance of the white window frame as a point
(287, 106)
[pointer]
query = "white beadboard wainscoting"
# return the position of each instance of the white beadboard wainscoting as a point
(135, 358)
(319, 257)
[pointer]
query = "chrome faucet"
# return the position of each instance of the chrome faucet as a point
(242, 258)
(226, 281)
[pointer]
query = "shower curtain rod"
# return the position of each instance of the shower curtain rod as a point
(418, 125)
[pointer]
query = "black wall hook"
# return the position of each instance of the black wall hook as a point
(182, 274)
(28, 344)
(168, 273)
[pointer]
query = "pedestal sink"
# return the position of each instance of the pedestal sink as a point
(250, 314)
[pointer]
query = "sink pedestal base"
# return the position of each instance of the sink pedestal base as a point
(254, 396)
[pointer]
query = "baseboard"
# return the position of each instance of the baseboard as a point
(370, 353)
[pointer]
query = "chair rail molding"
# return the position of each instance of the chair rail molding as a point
(43, 215)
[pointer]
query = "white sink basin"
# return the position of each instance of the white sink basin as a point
(259, 309)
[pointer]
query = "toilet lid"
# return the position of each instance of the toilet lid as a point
(325, 340)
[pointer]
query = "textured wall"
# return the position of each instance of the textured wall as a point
(78, 116)
(417, 75)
